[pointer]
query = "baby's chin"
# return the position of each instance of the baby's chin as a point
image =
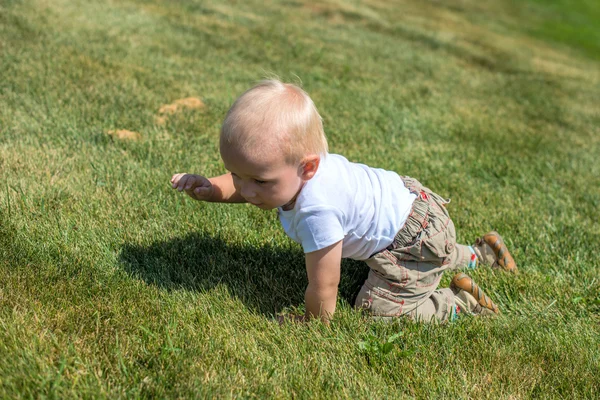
(263, 206)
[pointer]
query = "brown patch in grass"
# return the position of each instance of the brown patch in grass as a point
(189, 103)
(160, 120)
(124, 134)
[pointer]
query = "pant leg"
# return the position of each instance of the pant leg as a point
(439, 306)
(460, 257)
(404, 279)
(397, 288)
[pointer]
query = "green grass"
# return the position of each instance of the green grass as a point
(112, 285)
(574, 24)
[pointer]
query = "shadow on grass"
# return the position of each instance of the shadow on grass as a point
(265, 279)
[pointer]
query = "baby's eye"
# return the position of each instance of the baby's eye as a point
(260, 182)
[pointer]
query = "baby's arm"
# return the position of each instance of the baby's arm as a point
(217, 189)
(323, 270)
(224, 191)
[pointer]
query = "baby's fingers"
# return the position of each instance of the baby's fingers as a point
(191, 182)
(175, 179)
(185, 182)
(180, 181)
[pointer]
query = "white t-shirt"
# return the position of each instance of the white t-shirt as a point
(364, 206)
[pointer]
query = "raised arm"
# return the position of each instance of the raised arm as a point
(323, 268)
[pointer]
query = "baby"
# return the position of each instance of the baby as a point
(273, 145)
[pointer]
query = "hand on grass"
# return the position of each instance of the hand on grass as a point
(196, 186)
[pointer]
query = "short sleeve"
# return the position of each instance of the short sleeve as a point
(319, 227)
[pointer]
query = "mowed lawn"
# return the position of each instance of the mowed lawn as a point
(112, 285)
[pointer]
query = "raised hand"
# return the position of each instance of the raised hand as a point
(196, 186)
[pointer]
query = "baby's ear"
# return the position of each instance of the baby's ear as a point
(309, 166)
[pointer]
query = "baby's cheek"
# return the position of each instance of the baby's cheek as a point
(269, 194)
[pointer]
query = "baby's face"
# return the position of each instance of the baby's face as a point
(267, 181)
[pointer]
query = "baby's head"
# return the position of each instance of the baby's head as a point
(272, 141)
(274, 117)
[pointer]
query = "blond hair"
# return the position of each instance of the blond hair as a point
(278, 114)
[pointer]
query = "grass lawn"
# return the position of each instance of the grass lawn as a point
(112, 285)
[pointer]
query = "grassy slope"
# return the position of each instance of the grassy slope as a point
(113, 285)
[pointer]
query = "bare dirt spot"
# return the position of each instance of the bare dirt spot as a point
(124, 134)
(160, 120)
(189, 103)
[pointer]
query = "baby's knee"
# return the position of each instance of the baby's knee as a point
(379, 303)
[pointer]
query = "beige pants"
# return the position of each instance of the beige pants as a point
(404, 278)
